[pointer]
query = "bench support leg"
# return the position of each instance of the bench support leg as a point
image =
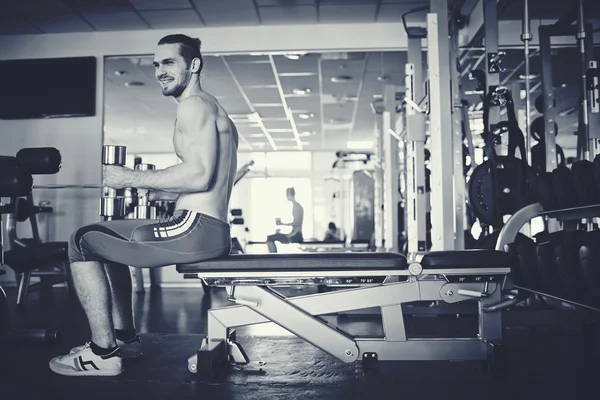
(301, 323)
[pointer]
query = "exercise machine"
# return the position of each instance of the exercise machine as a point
(385, 280)
(16, 181)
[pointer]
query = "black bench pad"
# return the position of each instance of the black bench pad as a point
(467, 259)
(300, 262)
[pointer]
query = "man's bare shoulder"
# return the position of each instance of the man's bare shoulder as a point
(196, 103)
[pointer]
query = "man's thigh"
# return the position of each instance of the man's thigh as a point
(185, 238)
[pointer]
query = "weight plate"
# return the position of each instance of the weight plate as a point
(563, 187)
(582, 173)
(516, 182)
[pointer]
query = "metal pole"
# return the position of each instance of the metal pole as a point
(581, 35)
(1, 238)
(416, 191)
(457, 143)
(544, 33)
(440, 126)
(526, 37)
(379, 207)
(390, 172)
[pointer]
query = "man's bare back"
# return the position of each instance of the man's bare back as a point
(214, 201)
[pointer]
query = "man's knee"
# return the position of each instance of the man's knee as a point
(77, 251)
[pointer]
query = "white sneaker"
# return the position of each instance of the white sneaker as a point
(83, 362)
(131, 349)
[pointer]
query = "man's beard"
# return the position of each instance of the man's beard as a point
(175, 91)
(178, 89)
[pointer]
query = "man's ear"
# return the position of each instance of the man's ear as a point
(196, 65)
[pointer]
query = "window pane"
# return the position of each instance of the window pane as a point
(268, 201)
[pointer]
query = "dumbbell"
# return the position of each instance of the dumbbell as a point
(112, 203)
(143, 209)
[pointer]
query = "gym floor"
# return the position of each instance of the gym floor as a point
(544, 362)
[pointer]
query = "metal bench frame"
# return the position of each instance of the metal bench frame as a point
(257, 302)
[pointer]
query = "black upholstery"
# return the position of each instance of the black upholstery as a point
(300, 262)
(467, 259)
(22, 259)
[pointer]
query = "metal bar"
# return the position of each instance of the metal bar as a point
(228, 277)
(442, 210)
(292, 318)
(548, 93)
(509, 231)
(425, 349)
(393, 323)
(1, 237)
(33, 221)
(416, 190)
(457, 143)
(581, 42)
(526, 37)
(492, 76)
(391, 172)
(379, 189)
(490, 323)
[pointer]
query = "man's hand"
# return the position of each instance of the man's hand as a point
(115, 176)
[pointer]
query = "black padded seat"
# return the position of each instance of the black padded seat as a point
(467, 259)
(300, 262)
(22, 259)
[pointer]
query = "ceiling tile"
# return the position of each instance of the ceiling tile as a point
(165, 19)
(253, 74)
(36, 7)
(393, 13)
(348, 13)
(115, 21)
(60, 23)
(288, 15)
(308, 103)
(160, 4)
(234, 105)
(276, 124)
(305, 64)
(219, 13)
(99, 6)
(246, 58)
(288, 84)
(285, 3)
(347, 2)
(16, 26)
(271, 112)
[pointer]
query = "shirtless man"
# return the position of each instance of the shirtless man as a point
(206, 141)
(295, 236)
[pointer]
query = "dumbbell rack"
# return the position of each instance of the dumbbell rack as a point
(568, 216)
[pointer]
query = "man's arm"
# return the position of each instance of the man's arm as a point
(155, 195)
(196, 119)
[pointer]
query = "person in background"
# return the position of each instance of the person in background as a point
(295, 236)
(333, 234)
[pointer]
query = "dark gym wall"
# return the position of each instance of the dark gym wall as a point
(78, 139)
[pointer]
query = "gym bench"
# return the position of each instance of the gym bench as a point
(385, 280)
